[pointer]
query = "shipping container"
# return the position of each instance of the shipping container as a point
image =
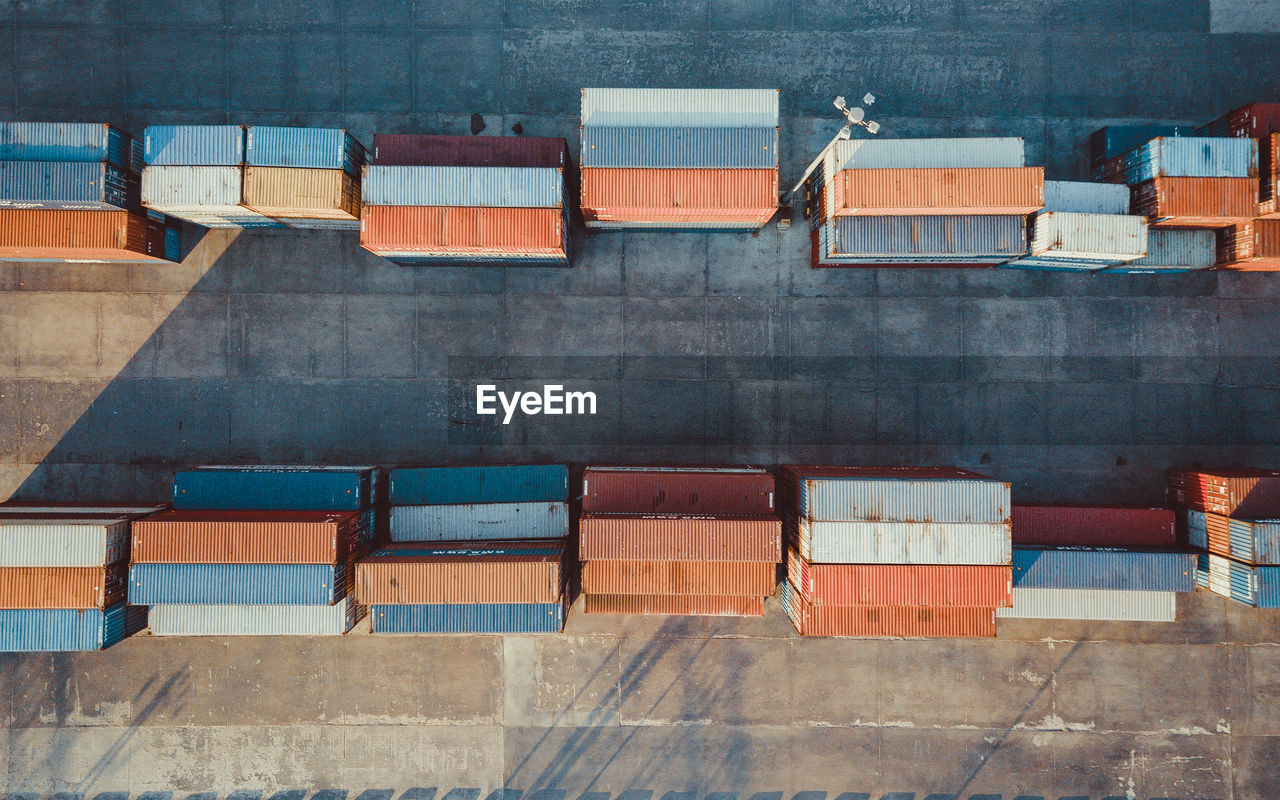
(469, 618)
(1253, 246)
(417, 150)
(427, 230)
(54, 630)
(741, 491)
(1189, 157)
(688, 605)
(867, 542)
(1074, 242)
(420, 259)
(306, 148)
(492, 484)
(670, 108)
(1255, 586)
(680, 147)
(479, 521)
(673, 197)
(239, 584)
(1196, 202)
(276, 488)
(1253, 541)
(1092, 605)
(68, 185)
(52, 235)
(622, 537)
(463, 572)
(1115, 140)
(255, 620)
(63, 587)
(679, 577)
(894, 192)
(888, 494)
(983, 239)
(899, 584)
(1145, 570)
(1252, 121)
(886, 621)
(1244, 493)
(194, 145)
(69, 141)
(248, 537)
(1269, 175)
(307, 224)
(35, 542)
(75, 511)
(1085, 197)
(1174, 250)
(977, 152)
(1098, 526)
(501, 187)
(297, 193)
(209, 196)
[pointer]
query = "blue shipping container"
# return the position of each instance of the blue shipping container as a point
(238, 584)
(1115, 140)
(1103, 568)
(454, 485)
(1255, 586)
(194, 145)
(69, 141)
(678, 148)
(311, 148)
(37, 630)
(276, 488)
(1193, 157)
(68, 185)
(469, 618)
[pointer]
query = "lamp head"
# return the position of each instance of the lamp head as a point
(840, 103)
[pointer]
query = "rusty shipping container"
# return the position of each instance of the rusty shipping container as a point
(50, 235)
(884, 621)
(678, 577)
(417, 150)
(1250, 247)
(938, 190)
(462, 572)
(63, 587)
(674, 605)
(1252, 121)
(301, 193)
(1196, 202)
(441, 229)
(1096, 526)
(1246, 493)
(746, 198)
(620, 537)
(1269, 176)
(745, 491)
(247, 537)
(900, 584)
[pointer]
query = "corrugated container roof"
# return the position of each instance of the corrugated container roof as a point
(1100, 526)
(896, 496)
(1115, 140)
(1256, 586)
(463, 572)
(899, 584)
(721, 108)
(76, 511)
(445, 230)
(1092, 604)
(415, 150)
(679, 148)
(252, 620)
(1247, 493)
(917, 153)
(879, 192)
(297, 192)
(674, 605)
(47, 234)
(194, 145)
(678, 490)
(886, 621)
(247, 537)
(622, 537)
(679, 195)
(1190, 157)
(936, 236)
(210, 190)
(1102, 239)
(498, 187)
(238, 584)
(70, 185)
(1176, 250)
(867, 542)
(53, 630)
(62, 587)
(479, 521)
(1103, 568)
(1085, 197)
(309, 148)
(1250, 541)
(1196, 202)
(679, 577)
(488, 484)
(63, 543)
(469, 618)
(276, 487)
(69, 141)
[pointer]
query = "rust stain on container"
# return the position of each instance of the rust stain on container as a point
(896, 621)
(674, 605)
(63, 587)
(302, 193)
(900, 584)
(441, 229)
(87, 235)
(462, 572)
(1196, 202)
(674, 490)
(678, 577)
(246, 537)
(938, 190)
(1250, 247)
(618, 537)
(730, 196)
(1094, 526)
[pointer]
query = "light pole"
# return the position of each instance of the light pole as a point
(853, 116)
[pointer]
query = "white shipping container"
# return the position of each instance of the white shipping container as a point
(241, 620)
(1084, 197)
(494, 187)
(704, 108)
(1173, 250)
(1065, 240)
(904, 499)
(479, 521)
(915, 153)
(63, 543)
(1092, 604)
(846, 542)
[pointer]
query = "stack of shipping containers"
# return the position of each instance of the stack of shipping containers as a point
(196, 173)
(895, 551)
(1083, 227)
(1190, 182)
(304, 177)
(255, 551)
(474, 550)
(678, 540)
(1233, 519)
(1097, 563)
(679, 158)
(922, 202)
(444, 200)
(71, 192)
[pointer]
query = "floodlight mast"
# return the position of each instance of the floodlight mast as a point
(855, 115)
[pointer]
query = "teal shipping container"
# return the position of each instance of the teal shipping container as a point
(276, 488)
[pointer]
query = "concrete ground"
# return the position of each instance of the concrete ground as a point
(300, 347)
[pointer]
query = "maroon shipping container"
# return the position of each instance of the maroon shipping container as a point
(739, 491)
(415, 150)
(1094, 526)
(1251, 122)
(1244, 493)
(622, 537)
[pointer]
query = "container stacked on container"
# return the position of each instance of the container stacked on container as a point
(264, 550)
(474, 550)
(304, 177)
(196, 173)
(895, 551)
(70, 191)
(1097, 563)
(1082, 227)
(922, 202)
(484, 201)
(678, 540)
(1233, 520)
(679, 158)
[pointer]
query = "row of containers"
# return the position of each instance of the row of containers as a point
(1163, 199)
(885, 551)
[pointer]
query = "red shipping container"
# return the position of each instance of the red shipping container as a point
(674, 605)
(448, 230)
(746, 491)
(80, 235)
(247, 537)
(720, 196)
(1095, 526)
(900, 584)
(1243, 493)
(418, 150)
(1195, 202)
(895, 621)
(620, 537)
(63, 587)
(679, 577)
(1251, 247)
(462, 572)
(938, 190)
(1251, 122)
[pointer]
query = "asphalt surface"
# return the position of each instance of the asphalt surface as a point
(300, 347)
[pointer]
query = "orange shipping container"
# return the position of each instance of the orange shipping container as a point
(1196, 202)
(938, 190)
(941, 585)
(674, 605)
(1269, 174)
(911, 621)
(462, 572)
(726, 196)
(246, 537)
(623, 537)
(83, 235)
(678, 577)
(63, 587)
(443, 229)
(1253, 246)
